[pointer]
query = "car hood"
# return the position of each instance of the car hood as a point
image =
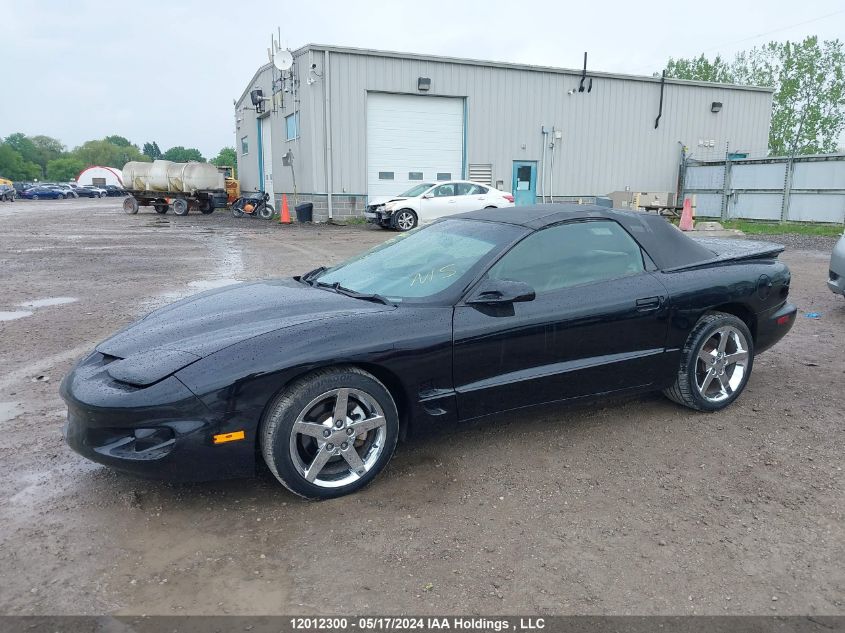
(195, 327)
(385, 199)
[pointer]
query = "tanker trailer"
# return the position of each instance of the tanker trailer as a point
(164, 184)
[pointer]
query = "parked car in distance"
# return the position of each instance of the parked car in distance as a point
(468, 317)
(115, 191)
(86, 192)
(429, 201)
(8, 193)
(836, 274)
(66, 190)
(100, 191)
(22, 186)
(42, 192)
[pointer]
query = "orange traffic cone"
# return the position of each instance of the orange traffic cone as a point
(284, 217)
(686, 223)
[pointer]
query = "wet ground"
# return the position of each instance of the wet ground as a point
(632, 507)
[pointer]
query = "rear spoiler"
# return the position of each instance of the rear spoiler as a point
(732, 250)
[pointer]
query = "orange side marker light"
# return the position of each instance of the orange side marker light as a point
(229, 437)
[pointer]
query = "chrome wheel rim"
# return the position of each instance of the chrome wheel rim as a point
(405, 221)
(722, 364)
(338, 438)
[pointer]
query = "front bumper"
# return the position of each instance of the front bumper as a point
(381, 218)
(159, 432)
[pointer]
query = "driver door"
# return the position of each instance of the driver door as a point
(439, 202)
(597, 325)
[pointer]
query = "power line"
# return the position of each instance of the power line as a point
(754, 37)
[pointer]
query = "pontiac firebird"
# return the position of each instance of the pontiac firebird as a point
(474, 315)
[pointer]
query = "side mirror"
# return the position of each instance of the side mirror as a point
(501, 291)
(427, 196)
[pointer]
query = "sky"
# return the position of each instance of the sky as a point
(167, 71)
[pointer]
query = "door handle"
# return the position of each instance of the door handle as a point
(648, 304)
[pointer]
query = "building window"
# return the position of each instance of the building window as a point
(444, 175)
(415, 175)
(292, 126)
(244, 145)
(385, 175)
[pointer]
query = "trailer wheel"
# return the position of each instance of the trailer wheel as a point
(180, 206)
(130, 205)
(161, 206)
(206, 207)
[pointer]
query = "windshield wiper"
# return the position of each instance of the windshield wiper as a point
(307, 277)
(365, 296)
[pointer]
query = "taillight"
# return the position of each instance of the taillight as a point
(508, 197)
(784, 319)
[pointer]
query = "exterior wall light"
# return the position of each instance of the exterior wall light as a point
(715, 106)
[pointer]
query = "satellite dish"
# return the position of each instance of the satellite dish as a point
(282, 59)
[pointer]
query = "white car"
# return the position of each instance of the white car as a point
(428, 201)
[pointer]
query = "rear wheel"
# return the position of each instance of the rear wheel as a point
(266, 212)
(330, 433)
(130, 205)
(405, 220)
(206, 207)
(715, 365)
(180, 206)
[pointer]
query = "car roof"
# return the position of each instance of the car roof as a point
(665, 244)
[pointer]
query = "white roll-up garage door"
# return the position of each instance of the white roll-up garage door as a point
(412, 139)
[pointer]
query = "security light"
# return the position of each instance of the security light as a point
(715, 106)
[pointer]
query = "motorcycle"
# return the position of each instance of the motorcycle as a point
(254, 204)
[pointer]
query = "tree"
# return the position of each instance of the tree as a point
(120, 141)
(48, 149)
(24, 146)
(227, 156)
(181, 154)
(64, 169)
(808, 77)
(152, 150)
(107, 154)
(14, 167)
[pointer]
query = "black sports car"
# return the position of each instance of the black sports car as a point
(476, 314)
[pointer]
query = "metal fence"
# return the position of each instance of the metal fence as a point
(800, 189)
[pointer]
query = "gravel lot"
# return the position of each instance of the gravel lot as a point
(638, 507)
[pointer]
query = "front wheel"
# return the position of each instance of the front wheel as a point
(330, 433)
(715, 365)
(405, 220)
(35, 196)
(266, 212)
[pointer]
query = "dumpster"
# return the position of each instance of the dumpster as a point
(304, 212)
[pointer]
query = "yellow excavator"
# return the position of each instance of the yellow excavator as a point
(233, 186)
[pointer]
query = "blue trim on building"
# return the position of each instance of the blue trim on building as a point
(260, 156)
(465, 167)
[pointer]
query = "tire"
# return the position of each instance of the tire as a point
(130, 206)
(161, 208)
(180, 206)
(707, 378)
(267, 212)
(35, 196)
(291, 454)
(491, 207)
(405, 220)
(206, 207)
(237, 212)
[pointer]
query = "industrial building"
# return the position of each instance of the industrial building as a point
(339, 125)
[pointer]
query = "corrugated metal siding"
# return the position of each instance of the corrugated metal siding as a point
(609, 141)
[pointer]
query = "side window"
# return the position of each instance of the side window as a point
(571, 254)
(478, 190)
(444, 190)
(464, 188)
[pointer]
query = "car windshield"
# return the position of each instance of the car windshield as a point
(413, 192)
(427, 263)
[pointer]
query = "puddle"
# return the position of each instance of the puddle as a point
(51, 301)
(10, 410)
(11, 316)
